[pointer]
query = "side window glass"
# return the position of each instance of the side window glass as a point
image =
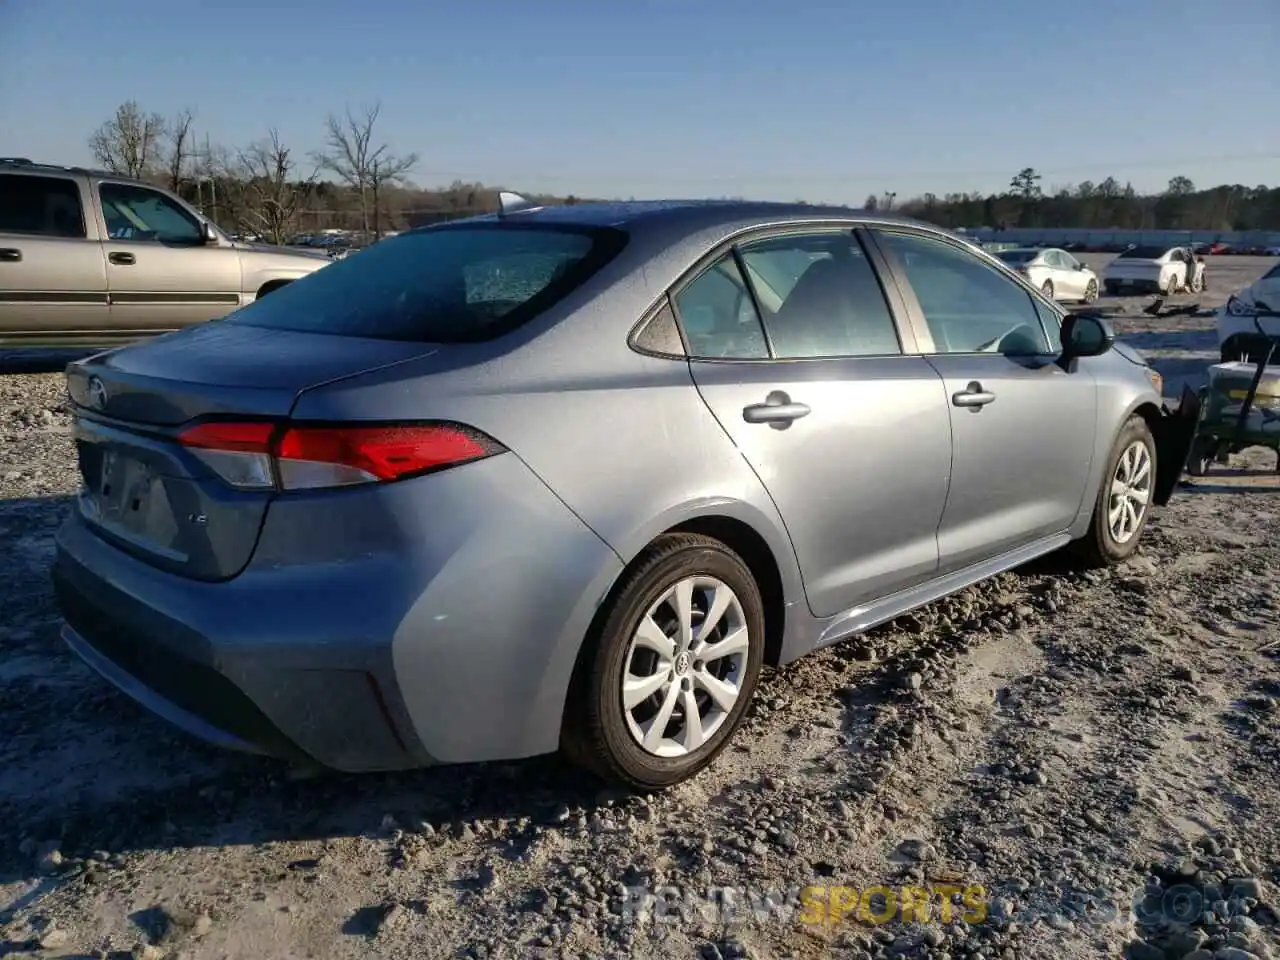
(41, 206)
(137, 213)
(820, 297)
(968, 306)
(718, 316)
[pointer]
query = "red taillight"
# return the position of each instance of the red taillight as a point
(263, 456)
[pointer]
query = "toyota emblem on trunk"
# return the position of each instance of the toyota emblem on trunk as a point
(97, 393)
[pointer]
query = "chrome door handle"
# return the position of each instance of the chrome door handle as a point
(777, 410)
(973, 397)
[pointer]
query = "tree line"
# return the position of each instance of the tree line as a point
(358, 181)
(1107, 204)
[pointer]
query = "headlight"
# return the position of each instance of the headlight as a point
(1157, 381)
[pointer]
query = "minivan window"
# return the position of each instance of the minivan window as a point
(43, 206)
(139, 213)
(441, 284)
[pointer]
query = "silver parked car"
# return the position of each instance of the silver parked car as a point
(1055, 272)
(94, 258)
(569, 477)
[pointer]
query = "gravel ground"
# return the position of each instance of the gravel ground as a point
(1090, 764)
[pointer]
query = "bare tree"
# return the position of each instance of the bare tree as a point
(181, 149)
(383, 170)
(130, 142)
(272, 193)
(351, 155)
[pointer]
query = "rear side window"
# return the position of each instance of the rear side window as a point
(41, 206)
(445, 285)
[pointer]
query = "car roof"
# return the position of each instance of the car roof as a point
(25, 165)
(682, 217)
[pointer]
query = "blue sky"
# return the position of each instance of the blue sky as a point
(810, 99)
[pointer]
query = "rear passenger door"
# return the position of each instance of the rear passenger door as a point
(1022, 427)
(796, 350)
(52, 277)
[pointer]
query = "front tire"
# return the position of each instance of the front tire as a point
(1091, 292)
(1047, 289)
(1123, 502)
(1112, 288)
(666, 679)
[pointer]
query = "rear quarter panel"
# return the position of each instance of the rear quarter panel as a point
(624, 441)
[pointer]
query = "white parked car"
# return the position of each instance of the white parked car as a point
(1057, 273)
(1154, 270)
(1238, 336)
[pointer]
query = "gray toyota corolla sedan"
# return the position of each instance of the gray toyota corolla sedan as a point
(568, 478)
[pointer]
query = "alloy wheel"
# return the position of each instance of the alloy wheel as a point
(685, 667)
(1130, 492)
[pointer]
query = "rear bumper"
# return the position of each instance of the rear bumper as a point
(453, 642)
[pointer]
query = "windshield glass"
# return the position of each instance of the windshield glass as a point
(1018, 256)
(441, 285)
(1144, 253)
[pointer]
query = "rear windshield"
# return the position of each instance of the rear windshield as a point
(441, 285)
(1144, 253)
(1018, 256)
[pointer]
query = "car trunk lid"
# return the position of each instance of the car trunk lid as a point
(153, 498)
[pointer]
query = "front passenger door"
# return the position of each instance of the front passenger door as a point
(161, 274)
(1022, 427)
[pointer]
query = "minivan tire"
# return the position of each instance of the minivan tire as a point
(597, 732)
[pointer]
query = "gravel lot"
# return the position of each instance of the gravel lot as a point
(1099, 753)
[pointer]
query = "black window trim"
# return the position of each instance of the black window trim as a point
(915, 312)
(856, 230)
(65, 178)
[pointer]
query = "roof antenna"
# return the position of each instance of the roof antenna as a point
(509, 202)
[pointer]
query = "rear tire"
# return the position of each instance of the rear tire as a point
(1172, 286)
(1114, 530)
(617, 740)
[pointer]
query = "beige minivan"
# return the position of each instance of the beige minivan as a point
(91, 258)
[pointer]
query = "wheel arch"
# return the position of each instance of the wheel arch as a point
(271, 286)
(736, 533)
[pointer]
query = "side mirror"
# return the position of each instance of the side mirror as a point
(207, 232)
(1079, 265)
(1084, 335)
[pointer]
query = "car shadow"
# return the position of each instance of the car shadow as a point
(40, 359)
